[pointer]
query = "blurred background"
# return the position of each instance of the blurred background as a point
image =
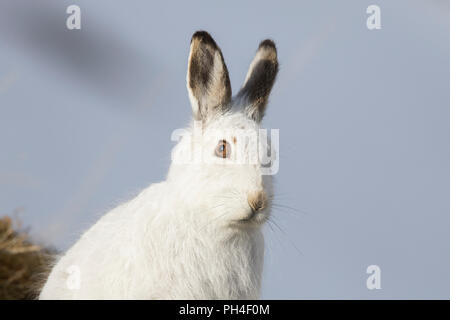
(364, 117)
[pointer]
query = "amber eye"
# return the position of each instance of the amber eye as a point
(223, 149)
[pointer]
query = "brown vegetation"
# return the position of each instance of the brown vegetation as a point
(23, 264)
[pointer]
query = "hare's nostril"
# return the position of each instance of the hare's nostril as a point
(257, 200)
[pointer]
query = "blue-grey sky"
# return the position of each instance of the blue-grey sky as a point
(364, 119)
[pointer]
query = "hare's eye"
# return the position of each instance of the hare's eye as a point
(223, 149)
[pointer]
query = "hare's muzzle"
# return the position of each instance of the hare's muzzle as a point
(257, 200)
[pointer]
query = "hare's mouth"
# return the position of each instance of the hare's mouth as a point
(250, 217)
(255, 217)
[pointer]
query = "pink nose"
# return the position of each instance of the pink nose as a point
(257, 200)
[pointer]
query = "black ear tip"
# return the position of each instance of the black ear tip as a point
(268, 43)
(204, 37)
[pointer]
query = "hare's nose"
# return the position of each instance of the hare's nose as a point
(257, 200)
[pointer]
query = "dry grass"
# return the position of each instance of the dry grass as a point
(23, 264)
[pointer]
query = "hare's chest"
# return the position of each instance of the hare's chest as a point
(230, 271)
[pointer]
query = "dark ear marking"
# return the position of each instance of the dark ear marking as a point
(259, 81)
(208, 81)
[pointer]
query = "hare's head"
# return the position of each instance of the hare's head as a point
(217, 163)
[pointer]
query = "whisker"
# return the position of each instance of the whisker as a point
(289, 208)
(286, 235)
(214, 220)
(280, 195)
(282, 210)
(270, 224)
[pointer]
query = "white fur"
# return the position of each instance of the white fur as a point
(177, 239)
(188, 237)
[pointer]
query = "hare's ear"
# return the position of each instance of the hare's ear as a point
(208, 82)
(261, 75)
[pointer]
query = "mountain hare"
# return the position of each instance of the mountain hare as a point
(196, 235)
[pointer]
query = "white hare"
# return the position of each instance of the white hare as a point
(196, 235)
